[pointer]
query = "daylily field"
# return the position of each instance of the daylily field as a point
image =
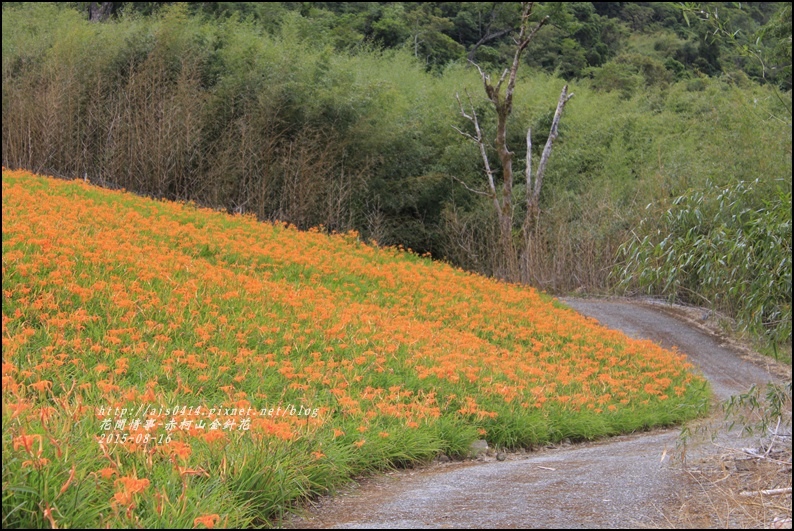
(171, 366)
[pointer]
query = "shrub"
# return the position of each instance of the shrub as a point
(729, 247)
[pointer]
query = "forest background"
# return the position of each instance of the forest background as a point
(671, 173)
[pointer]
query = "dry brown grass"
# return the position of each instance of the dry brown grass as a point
(731, 482)
(714, 494)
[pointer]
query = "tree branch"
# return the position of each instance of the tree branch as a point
(464, 133)
(472, 190)
(521, 43)
(488, 37)
(479, 141)
(501, 80)
(486, 79)
(768, 492)
(529, 165)
(544, 158)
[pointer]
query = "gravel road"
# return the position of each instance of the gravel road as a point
(617, 482)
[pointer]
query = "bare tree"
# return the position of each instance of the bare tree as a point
(503, 104)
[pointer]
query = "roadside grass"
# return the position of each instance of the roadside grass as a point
(740, 476)
(171, 366)
(743, 339)
(777, 351)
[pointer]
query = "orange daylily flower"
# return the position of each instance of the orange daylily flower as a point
(207, 521)
(26, 442)
(294, 316)
(107, 472)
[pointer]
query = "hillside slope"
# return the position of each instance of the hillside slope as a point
(156, 354)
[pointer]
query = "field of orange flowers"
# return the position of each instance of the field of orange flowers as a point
(171, 366)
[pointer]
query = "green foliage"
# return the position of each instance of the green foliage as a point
(755, 36)
(580, 35)
(775, 38)
(728, 246)
(617, 76)
(652, 71)
(758, 412)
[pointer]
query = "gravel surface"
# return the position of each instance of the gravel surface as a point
(622, 481)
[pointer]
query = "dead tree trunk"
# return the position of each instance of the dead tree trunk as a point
(503, 199)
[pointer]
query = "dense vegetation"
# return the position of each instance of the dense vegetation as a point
(730, 248)
(582, 36)
(169, 366)
(342, 115)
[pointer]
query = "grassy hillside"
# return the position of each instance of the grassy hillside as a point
(165, 365)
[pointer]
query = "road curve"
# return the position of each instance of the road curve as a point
(617, 482)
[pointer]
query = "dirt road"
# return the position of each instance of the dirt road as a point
(618, 482)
